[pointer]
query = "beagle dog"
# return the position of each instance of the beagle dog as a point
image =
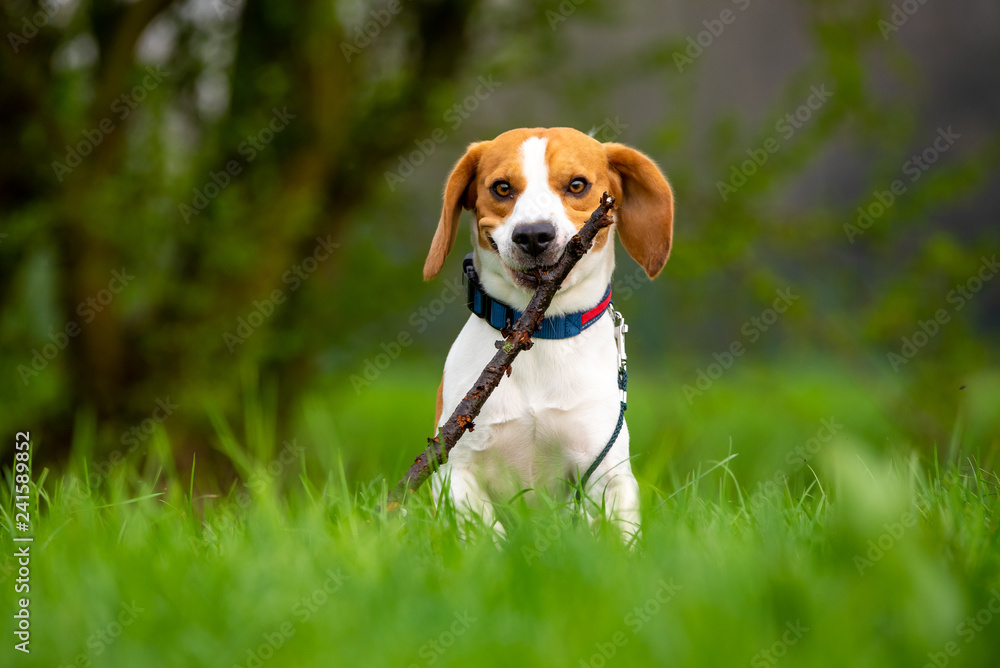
(531, 190)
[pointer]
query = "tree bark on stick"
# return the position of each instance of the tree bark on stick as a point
(518, 339)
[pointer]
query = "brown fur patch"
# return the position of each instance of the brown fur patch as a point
(440, 404)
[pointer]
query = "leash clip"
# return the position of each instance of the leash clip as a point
(618, 321)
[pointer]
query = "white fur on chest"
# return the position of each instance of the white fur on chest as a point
(549, 419)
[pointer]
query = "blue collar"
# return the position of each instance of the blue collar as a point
(500, 315)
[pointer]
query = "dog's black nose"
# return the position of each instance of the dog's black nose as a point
(534, 238)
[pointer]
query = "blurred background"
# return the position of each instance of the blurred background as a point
(214, 214)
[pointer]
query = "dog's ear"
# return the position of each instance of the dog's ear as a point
(644, 207)
(459, 193)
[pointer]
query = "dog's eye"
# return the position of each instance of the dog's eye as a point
(577, 185)
(501, 189)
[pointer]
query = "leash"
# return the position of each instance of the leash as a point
(620, 329)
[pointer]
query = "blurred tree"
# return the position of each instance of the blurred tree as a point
(174, 169)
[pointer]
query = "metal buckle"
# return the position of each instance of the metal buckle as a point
(618, 321)
(471, 282)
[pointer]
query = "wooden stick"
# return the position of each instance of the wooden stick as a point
(518, 339)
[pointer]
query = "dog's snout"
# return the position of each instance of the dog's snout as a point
(534, 238)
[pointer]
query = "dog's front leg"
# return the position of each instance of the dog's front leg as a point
(613, 487)
(469, 499)
(621, 498)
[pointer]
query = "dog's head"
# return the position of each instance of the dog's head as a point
(531, 190)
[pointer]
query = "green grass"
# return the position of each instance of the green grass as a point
(867, 554)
